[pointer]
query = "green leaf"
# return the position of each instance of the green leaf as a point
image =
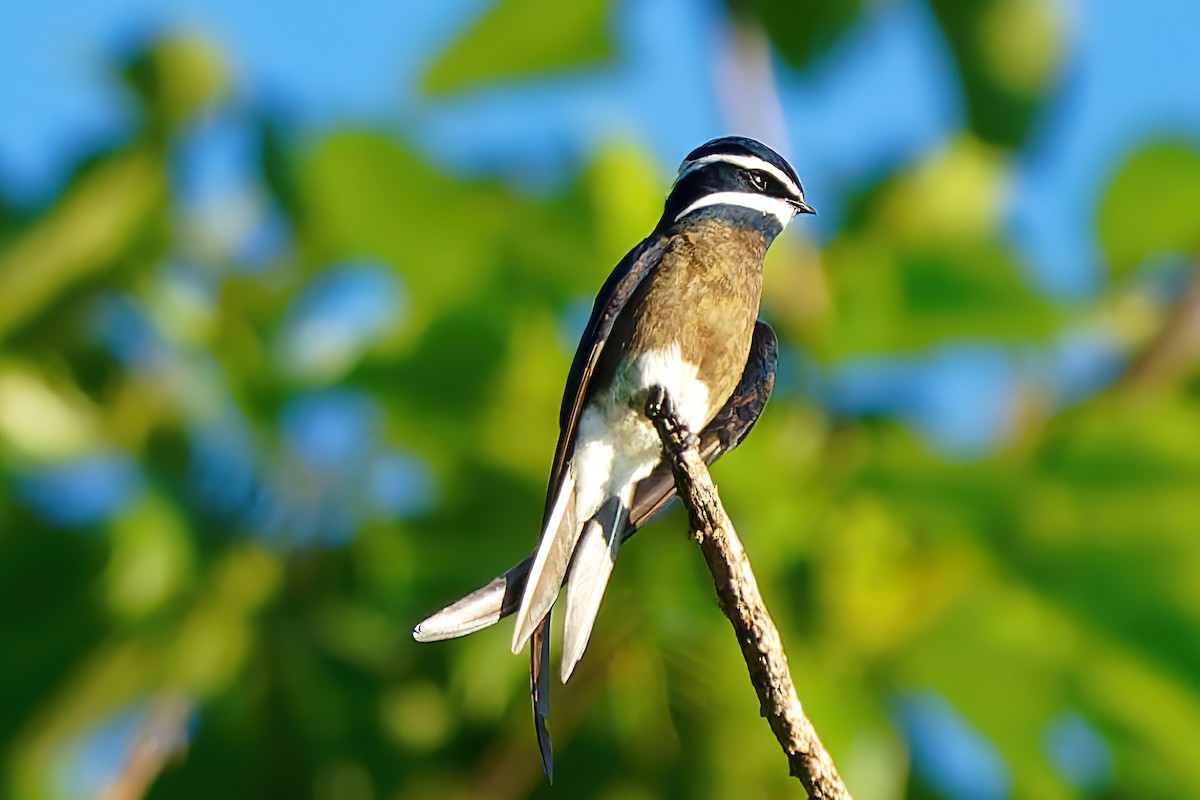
(1008, 54)
(89, 228)
(1152, 206)
(152, 558)
(803, 32)
(361, 195)
(889, 302)
(177, 78)
(500, 45)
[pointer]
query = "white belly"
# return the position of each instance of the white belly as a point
(615, 445)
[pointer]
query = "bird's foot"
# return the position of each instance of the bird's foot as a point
(659, 404)
(660, 409)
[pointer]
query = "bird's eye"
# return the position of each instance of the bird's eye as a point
(758, 180)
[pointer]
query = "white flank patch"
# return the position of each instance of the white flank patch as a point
(781, 209)
(666, 368)
(745, 162)
(592, 462)
(616, 445)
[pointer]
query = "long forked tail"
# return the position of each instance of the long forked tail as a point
(481, 608)
(591, 567)
(539, 691)
(549, 565)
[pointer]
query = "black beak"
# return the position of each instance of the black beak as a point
(803, 207)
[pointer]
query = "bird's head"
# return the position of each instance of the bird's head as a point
(733, 173)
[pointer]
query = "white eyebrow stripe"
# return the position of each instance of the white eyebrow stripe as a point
(745, 162)
(781, 209)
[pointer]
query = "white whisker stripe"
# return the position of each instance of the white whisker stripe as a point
(745, 162)
(782, 209)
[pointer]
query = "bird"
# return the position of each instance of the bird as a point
(677, 319)
(501, 596)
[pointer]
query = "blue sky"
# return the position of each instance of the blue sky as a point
(882, 96)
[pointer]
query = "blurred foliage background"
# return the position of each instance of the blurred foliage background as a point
(280, 376)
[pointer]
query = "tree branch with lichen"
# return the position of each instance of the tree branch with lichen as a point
(737, 592)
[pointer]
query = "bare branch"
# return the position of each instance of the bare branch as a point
(1174, 349)
(163, 736)
(737, 591)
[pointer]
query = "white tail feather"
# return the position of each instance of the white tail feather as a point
(485, 606)
(550, 564)
(592, 565)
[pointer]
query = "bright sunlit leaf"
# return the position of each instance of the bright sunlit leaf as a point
(572, 35)
(1152, 207)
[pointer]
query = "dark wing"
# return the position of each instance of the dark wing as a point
(491, 603)
(613, 296)
(502, 596)
(610, 301)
